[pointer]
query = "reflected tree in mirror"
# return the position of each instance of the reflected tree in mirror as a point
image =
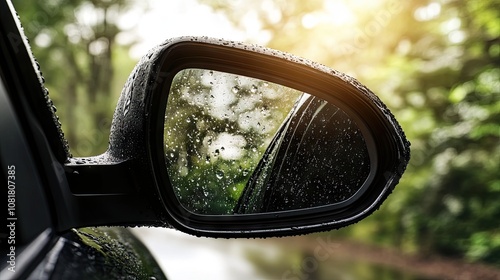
(217, 128)
(239, 145)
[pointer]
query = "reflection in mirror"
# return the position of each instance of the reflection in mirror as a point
(240, 145)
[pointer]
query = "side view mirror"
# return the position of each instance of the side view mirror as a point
(224, 139)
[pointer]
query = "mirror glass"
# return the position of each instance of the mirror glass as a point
(240, 145)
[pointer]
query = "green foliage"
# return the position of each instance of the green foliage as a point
(74, 42)
(436, 65)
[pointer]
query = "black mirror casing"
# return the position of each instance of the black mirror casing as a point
(136, 139)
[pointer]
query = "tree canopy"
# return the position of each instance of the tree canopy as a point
(75, 41)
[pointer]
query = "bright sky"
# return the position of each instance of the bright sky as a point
(153, 21)
(167, 19)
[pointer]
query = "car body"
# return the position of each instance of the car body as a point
(32, 154)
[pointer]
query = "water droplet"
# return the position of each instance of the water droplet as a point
(253, 89)
(235, 89)
(219, 174)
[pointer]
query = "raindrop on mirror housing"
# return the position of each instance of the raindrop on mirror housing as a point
(225, 139)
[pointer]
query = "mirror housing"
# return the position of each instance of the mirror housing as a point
(136, 140)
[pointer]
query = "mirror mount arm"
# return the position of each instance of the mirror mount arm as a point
(108, 194)
(118, 187)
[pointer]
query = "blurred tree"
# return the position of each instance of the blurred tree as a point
(74, 41)
(436, 65)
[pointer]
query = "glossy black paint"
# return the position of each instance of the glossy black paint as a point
(42, 246)
(98, 253)
(317, 145)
